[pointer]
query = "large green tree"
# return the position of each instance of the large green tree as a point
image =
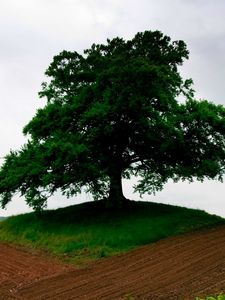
(111, 113)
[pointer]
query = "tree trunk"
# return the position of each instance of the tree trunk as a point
(116, 198)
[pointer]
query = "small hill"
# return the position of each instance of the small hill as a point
(2, 218)
(87, 231)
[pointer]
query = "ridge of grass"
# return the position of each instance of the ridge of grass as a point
(87, 231)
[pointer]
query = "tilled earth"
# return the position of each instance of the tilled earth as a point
(181, 267)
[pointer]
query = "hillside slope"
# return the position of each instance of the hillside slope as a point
(86, 232)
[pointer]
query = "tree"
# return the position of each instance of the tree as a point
(113, 112)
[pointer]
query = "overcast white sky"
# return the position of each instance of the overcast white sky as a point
(33, 31)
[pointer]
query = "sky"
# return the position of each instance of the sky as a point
(33, 31)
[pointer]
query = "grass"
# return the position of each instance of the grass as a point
(219, 297)
(85, 232)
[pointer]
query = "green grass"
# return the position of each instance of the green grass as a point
(219, 297)
(85, 232)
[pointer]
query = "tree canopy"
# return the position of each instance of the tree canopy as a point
(111, 113)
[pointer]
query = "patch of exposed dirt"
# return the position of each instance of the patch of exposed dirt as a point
(181, 267)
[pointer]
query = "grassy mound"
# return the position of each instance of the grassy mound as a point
(86, 231)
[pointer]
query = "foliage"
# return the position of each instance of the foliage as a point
(87, 231)
(219, 297)
(113, 112)
(128, 297)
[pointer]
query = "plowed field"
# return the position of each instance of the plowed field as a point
(181, 267)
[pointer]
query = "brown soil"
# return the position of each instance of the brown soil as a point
(181, 267)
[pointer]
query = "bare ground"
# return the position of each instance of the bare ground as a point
(181, 267)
